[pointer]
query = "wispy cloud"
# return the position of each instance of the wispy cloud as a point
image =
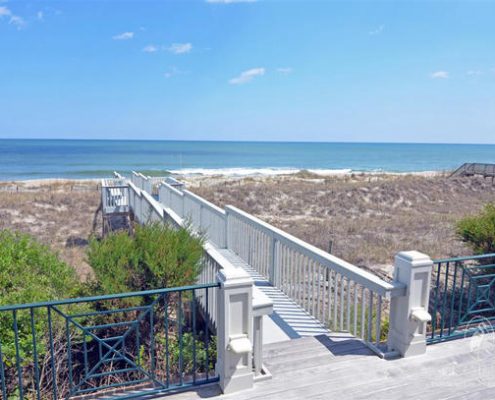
(17, 21)
(13, 19)
(439, 75)
(40, 16)
(377, 31)
(5, 12)
(180, 48)
(173, 71)
(151, 48)
(124, 36)
(247, 76)
(474, 72)
(285, 70)
(230, 1)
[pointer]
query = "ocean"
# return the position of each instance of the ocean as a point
(37, 159)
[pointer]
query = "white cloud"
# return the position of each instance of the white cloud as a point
(230, 1)
(440, 75)
(151, 48)
(40, 16)
(377, 31)
(247, 76)
(180, 48)
(474, 72)
(285, 70)
(17, 21)
(124, 36)
(5, 12)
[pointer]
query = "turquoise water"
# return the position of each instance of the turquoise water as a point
(33, 159)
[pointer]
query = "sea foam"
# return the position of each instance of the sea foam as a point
(240, 172)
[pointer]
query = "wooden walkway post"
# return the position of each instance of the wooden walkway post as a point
(234, 330)
(409, 313)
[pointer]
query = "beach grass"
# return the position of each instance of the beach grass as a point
(54, 214)
(367, 218)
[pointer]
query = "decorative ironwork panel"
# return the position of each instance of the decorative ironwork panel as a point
(123, 346)
(462, 297)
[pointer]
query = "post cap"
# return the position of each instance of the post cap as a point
(414, 258)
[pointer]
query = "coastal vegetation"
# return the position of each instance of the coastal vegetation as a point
(156, 256)
(478, 231)
(29, 272)
(366, 217)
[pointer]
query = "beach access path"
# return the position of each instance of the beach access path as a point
(288, 320)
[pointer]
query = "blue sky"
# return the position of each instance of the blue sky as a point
(248, 70)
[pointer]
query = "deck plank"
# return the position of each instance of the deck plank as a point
(452, 370)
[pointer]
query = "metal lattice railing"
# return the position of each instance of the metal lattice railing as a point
(462, 297)
(145, 342)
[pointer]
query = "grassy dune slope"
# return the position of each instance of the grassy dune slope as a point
(368, 218)
(56, 216)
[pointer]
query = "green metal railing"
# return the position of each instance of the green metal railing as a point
(462, 297)
(128, 344)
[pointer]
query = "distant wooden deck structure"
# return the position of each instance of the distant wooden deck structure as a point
(115, 206)
(471, 169)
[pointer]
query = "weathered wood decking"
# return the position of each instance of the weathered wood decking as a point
(340, 367)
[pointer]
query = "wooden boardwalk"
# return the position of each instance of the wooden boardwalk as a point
(471, 169)
(340, 367)
(289, 320)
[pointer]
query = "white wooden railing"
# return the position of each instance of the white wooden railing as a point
(342, 296)
(114, 196)
(337, 293)
(203, 215)
(147, 209)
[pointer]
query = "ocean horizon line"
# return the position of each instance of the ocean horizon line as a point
(40, 158)
(247, 141)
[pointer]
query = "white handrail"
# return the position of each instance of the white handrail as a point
(345, 268)
(336, 292)
(205, 216)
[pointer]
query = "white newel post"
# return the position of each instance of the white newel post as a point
(234, 330)
(409, 313)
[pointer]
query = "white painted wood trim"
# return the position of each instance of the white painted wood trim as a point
(342, 267)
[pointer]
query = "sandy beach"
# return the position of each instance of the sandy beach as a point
(366, 217)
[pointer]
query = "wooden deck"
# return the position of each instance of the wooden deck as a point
(341, 367)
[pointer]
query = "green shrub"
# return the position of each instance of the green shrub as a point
(479, 230)
(189, 350)
(29, 272)
(157, 256)
(114, 261)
